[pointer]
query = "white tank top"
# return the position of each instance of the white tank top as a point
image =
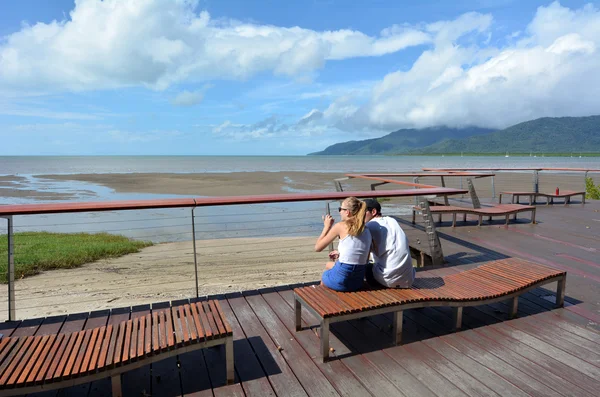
(354, 250)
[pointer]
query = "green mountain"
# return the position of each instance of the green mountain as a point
(546, 135)
(402, 141)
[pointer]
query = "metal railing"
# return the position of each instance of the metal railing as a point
(249, 236)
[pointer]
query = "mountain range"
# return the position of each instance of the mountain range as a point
(544, 135)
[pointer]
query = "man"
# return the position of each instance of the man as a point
(391, 254)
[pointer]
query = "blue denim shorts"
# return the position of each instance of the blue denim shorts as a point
(344, 278)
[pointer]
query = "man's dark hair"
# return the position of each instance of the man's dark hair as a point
(373, 204)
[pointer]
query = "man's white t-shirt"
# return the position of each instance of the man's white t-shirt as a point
(393, 264)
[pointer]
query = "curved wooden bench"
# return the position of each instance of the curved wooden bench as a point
(495, 281)
(497, 210)
(36, 363)
(565, 194)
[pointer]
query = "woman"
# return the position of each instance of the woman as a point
(348, 271)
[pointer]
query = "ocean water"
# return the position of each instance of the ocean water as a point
(35, 165)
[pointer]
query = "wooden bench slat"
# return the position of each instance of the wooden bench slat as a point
(140, 337)
(217, 318)
(93, 359)
(228, 329)
(191, 324)
(20, 361)
(83, 348)
(148, 337)
(133, 338)
(155, 333)
(46, 370)
(177, 325)
(198, 323)
(211, 321)
(184, 325)
(205, 324)
(162, 330)
(73, 352)
(105, 351)
(170, 331)
(36, 359)
(124, 356)
(62, 356)
(119, 341)
(8, 347)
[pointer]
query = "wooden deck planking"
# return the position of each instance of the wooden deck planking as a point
(542, 352)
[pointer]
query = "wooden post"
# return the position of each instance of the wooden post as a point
(437, 255)
(398, 327)
(445, 196)
(536, 181)
(473, 193)
(298, 314)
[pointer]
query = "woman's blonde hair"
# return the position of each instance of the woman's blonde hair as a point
(356, 220)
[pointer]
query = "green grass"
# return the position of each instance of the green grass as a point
(38, 251)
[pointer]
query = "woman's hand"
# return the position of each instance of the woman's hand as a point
(334, 255)
(328, 221)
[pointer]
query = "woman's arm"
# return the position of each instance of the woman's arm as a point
(328, 234)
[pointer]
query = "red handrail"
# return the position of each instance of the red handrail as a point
(416, 174)
(512, 169)
(30, 209)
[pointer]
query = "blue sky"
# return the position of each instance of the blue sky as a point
(282, 78)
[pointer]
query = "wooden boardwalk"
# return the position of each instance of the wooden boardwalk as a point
(544, 352)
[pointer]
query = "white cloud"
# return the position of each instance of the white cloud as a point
(551, 70)
(188, 98)
(157, 43)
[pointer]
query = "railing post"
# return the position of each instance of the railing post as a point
(536, 181)
(10, 271)
(416, 180)
(585, 177)
(328, 212)
(493, 188)
(195, 258)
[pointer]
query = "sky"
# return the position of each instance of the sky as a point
(272, 77)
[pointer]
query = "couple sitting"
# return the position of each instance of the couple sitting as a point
(363, 230)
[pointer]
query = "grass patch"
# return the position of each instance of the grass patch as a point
(38, 251)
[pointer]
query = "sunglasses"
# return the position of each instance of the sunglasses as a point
(342, 208)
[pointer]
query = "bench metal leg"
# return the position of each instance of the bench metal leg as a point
(414, 217)
(298, 314)
(464, 217)
(560, 292)
(325, 339)
(507, 219)
(454, 219)
(440, 217)
(583, 198)
(398, 327)
(229, 360)
(500, 199)
(480, 219)
(533, 215)
(116, 385)
(514, 307)
(457, 317)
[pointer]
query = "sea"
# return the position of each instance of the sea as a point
(174, 224)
